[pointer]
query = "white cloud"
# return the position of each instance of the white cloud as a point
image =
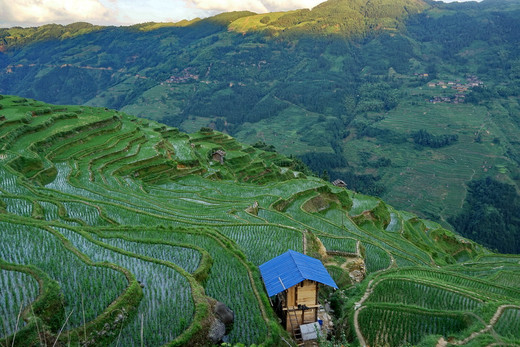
(260, 6)
(22, 12)
(38, 12)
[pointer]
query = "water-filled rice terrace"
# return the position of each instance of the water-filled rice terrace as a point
(122, 231)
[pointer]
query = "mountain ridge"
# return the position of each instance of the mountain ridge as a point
(327, 13)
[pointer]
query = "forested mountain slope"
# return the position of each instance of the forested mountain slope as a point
(119, 230)
(412, 101)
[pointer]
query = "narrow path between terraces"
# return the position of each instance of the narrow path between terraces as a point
(358, 308)
(442, 342)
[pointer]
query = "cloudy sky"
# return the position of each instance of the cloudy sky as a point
(123, 12)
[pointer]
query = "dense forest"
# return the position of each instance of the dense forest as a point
(491, 215)
(424, 138)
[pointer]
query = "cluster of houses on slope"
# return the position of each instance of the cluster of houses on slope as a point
(187, 75)
(455, 99)
(458, 86)
(182, 77)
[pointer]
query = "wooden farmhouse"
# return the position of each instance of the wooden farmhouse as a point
(340, 183)
(218, 156)
(293, 280)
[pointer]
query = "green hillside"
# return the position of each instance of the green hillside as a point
(120, 230)
(415, 102)
(333, 17)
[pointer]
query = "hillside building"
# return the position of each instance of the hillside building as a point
(293, 280)
(340, 183)
(219, 156)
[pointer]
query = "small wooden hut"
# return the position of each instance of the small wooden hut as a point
(339, 183)
(218, 156)
(293, 280)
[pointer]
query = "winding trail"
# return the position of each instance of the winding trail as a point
(442, 342)
(358, 307)
(360, 337)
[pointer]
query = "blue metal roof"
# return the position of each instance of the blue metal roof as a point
(291, 268)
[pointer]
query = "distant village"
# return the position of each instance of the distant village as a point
(182, 77)
(187, 76)
(458, 86)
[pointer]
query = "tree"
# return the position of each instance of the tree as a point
(265, 19)
(325, 176)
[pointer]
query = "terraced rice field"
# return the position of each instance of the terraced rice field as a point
(121, 231)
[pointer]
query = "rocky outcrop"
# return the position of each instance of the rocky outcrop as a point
(222, 322)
